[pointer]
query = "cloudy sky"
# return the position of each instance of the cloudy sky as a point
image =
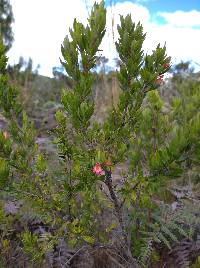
(41, 25)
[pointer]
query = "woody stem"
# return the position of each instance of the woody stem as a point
(118, 209)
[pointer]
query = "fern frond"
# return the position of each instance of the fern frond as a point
(169, 233)
(146, 252)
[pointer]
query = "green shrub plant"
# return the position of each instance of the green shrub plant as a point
(80, 202)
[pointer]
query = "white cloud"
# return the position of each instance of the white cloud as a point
(182, 39)
(182, 43)
(40, 27)
(182, 18)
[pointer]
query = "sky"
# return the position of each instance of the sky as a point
(41, 25)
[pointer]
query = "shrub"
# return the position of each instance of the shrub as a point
(64, 209)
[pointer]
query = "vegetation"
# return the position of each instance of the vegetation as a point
(117, 192)
(6, 19)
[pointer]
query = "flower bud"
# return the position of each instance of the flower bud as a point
(107, 163)
(6, 135)
(166, 65)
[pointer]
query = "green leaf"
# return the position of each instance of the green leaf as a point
(88, 239)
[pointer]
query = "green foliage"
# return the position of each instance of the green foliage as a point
(85, 42)
(4, 172)
(6, 19)
(8, 93)
(30, 246)
(67, 201)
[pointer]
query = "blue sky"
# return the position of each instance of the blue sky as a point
(164, 5)
(41, 25)
(156, 6)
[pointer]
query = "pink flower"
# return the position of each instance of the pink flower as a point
(97, 169)
(159, 80)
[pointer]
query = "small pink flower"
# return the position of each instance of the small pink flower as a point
(159, 80)
(97, 169)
